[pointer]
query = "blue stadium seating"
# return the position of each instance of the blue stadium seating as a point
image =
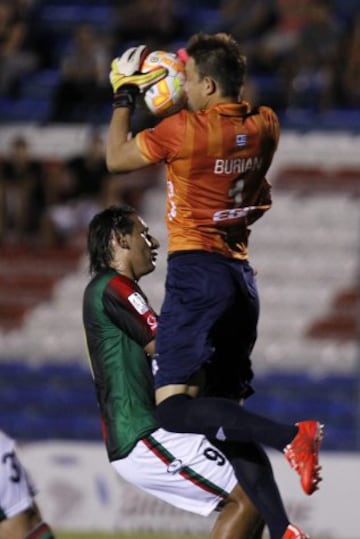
(40, 85)
(294, 396)
(64, 17)
(332, 120)
(25, 109)
(57, 401)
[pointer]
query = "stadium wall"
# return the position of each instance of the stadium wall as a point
(328, 148)
(79, 491)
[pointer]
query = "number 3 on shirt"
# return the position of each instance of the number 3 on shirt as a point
(15, 468)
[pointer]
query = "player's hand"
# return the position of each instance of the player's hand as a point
(126, 70)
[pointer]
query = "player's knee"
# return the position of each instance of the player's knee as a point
(243, 505)
(41, 531)
(238, 517)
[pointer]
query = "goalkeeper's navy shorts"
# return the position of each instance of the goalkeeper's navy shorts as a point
(201, 290)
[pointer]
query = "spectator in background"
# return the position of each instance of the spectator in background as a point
(315, 59)
(81, 186)
(268, 35)
(84, 83)
(61, 222)
(21, 193)
(273, 33)
(75, 190)
(293, 47)
(94, 183)
(261, 16)
(16, 60)
(156, 24)
(20, 517)
(89, 167)
(348, 89)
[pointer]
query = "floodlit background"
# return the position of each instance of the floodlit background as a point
(55, 105)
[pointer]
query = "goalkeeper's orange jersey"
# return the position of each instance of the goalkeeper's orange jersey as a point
(216, 163)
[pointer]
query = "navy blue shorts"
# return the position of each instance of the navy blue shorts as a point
(209, 300)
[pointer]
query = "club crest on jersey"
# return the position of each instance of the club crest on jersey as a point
(175, 466)
(152, 322)
(138, 302)
(241, 140)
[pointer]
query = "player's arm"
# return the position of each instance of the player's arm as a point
(150, 348)
(122, 155)
(130, 311)
(127, 80)
(263, 201)
(271, 123)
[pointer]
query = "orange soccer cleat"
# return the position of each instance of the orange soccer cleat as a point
(293, 532)
(303, 454)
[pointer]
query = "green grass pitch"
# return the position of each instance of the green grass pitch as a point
(118, 535)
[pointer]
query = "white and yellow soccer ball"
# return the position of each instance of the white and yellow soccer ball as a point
(166, 96)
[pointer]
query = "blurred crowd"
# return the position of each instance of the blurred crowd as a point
(307, 48)
(49, 203)
(302, 54)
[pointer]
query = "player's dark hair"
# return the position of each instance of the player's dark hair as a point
(219, 56)
(101, 228)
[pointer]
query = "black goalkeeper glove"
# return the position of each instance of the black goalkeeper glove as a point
(126, 77)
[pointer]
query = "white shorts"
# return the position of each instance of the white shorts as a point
(185, 470)
(16, 489)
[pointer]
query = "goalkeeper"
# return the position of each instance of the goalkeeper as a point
(216, 155)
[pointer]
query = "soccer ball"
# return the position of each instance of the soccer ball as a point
(166, 96)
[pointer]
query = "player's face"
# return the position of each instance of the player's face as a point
(143, 249)
(195, 87)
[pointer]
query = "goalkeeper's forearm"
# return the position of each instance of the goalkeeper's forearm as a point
(118, 134)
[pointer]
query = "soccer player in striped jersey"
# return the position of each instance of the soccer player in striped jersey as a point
(216, 153)
(20, 517)
(185, 470)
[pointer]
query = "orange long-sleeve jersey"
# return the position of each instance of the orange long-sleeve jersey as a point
(216, 162)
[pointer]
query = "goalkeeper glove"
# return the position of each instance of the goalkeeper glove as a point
(128, 81)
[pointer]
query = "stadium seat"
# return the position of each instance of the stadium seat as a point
(40, 85)
(27, 109)
(65, 17)
(35, 273)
